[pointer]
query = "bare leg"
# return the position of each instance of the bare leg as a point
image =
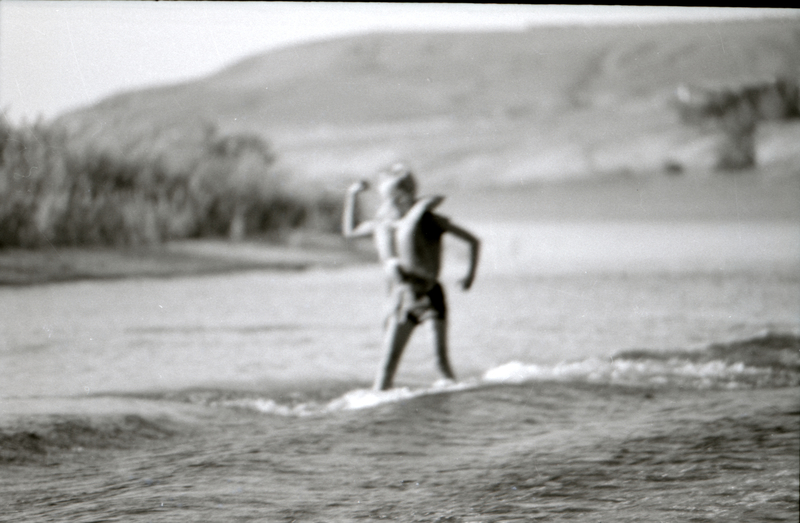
(440, 339)
(397, 335)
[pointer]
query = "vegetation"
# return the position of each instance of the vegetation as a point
(58, 190)
(735, 110)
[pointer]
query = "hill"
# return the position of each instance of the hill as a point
(468, 109)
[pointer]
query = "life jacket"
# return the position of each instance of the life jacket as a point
(417, 239)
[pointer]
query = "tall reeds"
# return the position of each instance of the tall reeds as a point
(55, 190)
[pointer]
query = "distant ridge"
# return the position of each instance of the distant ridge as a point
(501, 107)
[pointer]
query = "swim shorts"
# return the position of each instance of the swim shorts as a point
(414, 303)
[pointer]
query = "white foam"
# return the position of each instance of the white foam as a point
(644, 372)
(353, 400)
(366, 398)
(631, 372)
(270, 406)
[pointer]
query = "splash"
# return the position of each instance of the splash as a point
(364, 398)
(356, 399)
(768, 360)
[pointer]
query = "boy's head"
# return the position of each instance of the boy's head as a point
(397, 185)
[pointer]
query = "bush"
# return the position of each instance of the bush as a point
(55, 191)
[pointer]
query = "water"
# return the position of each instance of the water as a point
(608, 372)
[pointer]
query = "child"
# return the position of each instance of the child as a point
(408, 237)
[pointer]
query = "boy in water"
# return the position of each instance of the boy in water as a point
(408, 237)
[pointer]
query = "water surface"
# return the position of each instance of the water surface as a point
(626, 372)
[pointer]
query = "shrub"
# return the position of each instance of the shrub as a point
(58, 191)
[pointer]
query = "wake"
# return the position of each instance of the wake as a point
(357, 399)
(766, 361)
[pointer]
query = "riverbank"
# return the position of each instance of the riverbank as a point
(173, 259)
(753, 198)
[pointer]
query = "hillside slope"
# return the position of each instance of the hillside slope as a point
(465, 108)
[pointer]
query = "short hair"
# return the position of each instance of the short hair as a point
(398, 177)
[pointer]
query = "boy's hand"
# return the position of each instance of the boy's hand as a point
(434, 201)
(466, 282)
(359, 186)
(393, 269)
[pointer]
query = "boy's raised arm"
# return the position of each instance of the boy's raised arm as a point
(474, 247)
(349, 227)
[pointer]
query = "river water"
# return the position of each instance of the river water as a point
(624, 371)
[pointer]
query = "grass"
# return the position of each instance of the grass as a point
(58, 190)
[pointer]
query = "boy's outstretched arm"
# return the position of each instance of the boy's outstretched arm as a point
(349, 227)
(474, 246)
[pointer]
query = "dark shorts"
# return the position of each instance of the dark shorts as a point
(410, 302)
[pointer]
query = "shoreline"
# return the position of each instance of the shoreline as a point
(27, 267)
(740, 199)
